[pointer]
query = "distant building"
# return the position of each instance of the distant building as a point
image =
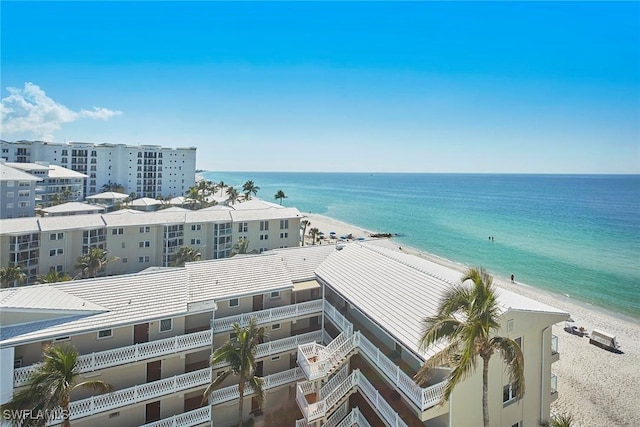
(147, 170)
(58, 184)
(17, 192)
(143, 239)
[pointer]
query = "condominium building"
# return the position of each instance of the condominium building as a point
(17, 192)
(343, 324)
(139, 240)
(147, 170)
(57, 182)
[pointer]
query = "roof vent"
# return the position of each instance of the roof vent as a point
(339, 246)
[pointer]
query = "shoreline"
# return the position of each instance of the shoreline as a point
(595, 386)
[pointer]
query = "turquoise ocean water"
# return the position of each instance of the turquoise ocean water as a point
(576, 235)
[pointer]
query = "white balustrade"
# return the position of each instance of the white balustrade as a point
(133, 353)
(269, 315)
(187, 419)
(355, 418)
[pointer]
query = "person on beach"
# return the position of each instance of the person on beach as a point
(512, 278)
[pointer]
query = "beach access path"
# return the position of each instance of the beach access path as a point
(595, 386)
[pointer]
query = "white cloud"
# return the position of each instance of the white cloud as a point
(29, 112)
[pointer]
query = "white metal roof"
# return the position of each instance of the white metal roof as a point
(236, 276)
(73, 207)
(56, 171)
(397, 291)
(19, 225)
(146, 201)
(265, 214)
(303, 261)
(57, 223)
(109, 195)
(44, 297)
(8, 173)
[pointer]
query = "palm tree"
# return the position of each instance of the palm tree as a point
(221, 186)
(56, 199)
(240, 353)
(280, 195)
(465, 320)
(112, 186)
(242, 247)
(304, 223)
(93, 261)
(314, 233)
(185, 254)
(562, 420)
(193, 197)
(51, 384)
(249, 188)
(11, 274)
(54, 277)
(233, 194)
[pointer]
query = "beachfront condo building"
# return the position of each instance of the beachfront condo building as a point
(146, 170)
(17, 192)
(58, 184)
(139, 240)
(343, 324)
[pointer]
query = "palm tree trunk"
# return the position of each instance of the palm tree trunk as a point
(65, 412)
(485, 391)
(240, 404)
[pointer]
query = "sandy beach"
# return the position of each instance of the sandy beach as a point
(595, 386)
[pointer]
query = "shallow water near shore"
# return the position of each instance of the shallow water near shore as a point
(575, 235)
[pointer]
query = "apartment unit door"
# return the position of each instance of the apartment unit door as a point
(257, 302)
(140, 333)
(153, 412)
(154, 371)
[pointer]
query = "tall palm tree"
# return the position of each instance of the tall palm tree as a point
(304, 223)
(193, 197)
(233, 194)
(185, 254)
(221, 186)
(242, 247)
(240, 353)
(93, 261)
(53, 276)
(280, 195)
(249, 188)
(11, 274)
(466, 321)
(314, 232)
(113, 186)
(50, 386)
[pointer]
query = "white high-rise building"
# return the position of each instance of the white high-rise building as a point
(147, 170)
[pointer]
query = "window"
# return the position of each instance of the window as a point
(509, 393)
(17, 363)
(243, 227)
(263, 250)
(23, 193)
(56, 236)
(519, 341)
(142, 259)
(114, 414)
(145, 229)
(11, 183)
(518, 424)
(10, 194)
(195, 241)
(233, 302)
(510, 325)
(284, 224)
(275, 294)
(117, 231)
(274, 358)
(275, 326)
(125, 260)
(284, 235)
(264, 237)
(54, 252)
(23, 204)
(144, 244)
(264, 225)
(67, 338)
(166, 325)
(196, 227)
(105, 333)
(9, 205)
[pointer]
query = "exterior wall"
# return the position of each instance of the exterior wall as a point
(6, 374)
(14, 203)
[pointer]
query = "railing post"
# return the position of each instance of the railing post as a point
(137, 352)
(93, 361)
(175, 343)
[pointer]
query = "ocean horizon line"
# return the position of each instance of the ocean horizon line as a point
(541, 174)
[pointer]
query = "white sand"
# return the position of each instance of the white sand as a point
(595, 386)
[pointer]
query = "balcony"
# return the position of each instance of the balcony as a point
(341, 418)
(270, 315)
(554, 387)
(555, 355)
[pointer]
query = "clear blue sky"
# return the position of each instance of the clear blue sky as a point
(418, 87)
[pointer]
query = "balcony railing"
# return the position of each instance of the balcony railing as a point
(554, 344)
(317, 410)
(132, 353)
(187, 419)
(423, 398)
(554, 383)
(269, 315)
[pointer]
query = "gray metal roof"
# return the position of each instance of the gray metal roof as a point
(302, 262)
(73, 207)
(8, 173)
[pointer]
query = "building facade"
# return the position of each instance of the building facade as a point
(146, 170)
(340, 353)
(139, 240)
(58, 184)
(17, 192)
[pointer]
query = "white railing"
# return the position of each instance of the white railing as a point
(423, 398)
(554, 383)
(317, 361)
(319, 409)
(187, 419)
(355, 418)
(554, 344)
(132, 353)
(275, 380)
(341, 417)
(269, 315)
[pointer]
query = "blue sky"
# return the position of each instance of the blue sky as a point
(418, 87)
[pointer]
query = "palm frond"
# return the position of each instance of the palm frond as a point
(215, 384)
(512, 355)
